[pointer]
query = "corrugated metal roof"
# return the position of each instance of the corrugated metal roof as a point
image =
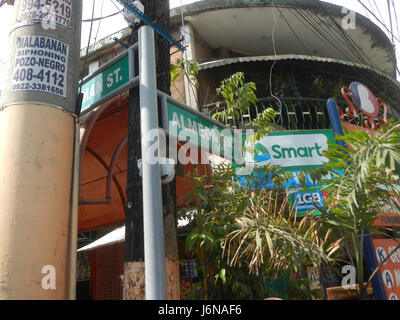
(223, 62)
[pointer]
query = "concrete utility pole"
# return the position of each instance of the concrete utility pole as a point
(134, 275)
(38, 159)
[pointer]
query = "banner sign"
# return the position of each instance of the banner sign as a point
(41, 64)
(390, 270)
(291, 150)
(303, 199)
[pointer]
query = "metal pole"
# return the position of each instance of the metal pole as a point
(152, 197)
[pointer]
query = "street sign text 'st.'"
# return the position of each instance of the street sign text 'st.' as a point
(105, 82)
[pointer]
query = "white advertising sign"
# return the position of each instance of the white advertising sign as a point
(41, 64)
(46, 11)
(294, 150)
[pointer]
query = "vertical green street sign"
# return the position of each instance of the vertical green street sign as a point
(105, 82)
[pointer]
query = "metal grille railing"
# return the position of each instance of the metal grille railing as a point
(292, 113)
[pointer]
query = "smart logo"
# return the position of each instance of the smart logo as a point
(261, 154)
(290, 149)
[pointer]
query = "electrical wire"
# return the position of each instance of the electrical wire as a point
(322, 29)
(354, 49)
(377, 19)
(369, 11)
(87, 48)
(385, 27)
(313, 26)
(309, 22)
(397, 21)
(364, 59)
(390, 20)
(294, 33)
(192, 86)
(377, 8)
(273, 65)
(102, 18)
(98, 27)
(120, 10)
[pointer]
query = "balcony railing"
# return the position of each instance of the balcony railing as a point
(292, 113)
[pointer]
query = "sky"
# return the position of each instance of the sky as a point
(113, 24)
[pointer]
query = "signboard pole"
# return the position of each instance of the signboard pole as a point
(372, 264)
(335, 120)
(152, 197)
(38, 128)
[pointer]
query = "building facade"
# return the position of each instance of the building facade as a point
(301, 52)
(298, 53)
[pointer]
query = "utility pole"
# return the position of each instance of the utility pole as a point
(38, 159)
(134, 273)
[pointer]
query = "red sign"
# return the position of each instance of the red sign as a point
(390, 270)
(352, 127)
(390, 216)
(358, 96)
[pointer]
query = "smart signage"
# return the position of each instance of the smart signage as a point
(305, 200)
(291, 150)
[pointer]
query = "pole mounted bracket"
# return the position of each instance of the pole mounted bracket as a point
(128, 4)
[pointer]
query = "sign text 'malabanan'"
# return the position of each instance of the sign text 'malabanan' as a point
(40, 64)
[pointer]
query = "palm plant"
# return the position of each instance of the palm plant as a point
(365, 178)
(243, 234)
(269, 232)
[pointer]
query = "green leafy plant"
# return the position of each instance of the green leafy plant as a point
(237, 97)
(182, 66)
(243, 234)
(262, 124)
(364, 179)
(268, 232)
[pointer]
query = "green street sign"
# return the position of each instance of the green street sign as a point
(106, 82)
(202, 131)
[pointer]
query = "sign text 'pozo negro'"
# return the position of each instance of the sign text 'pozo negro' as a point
(41, 64)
